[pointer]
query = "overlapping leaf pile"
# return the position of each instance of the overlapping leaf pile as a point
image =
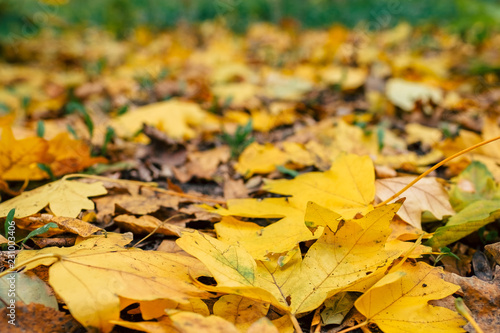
(271, 154)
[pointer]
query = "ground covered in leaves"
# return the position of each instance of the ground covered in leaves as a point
(201, 181)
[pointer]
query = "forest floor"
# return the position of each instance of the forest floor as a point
(197, 180)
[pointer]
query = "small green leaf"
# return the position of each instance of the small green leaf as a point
(46, 168)
(39, 231)
(286, 171)
(72, 131)
(40, 129)
(110, 134)
(8, 221)
(122, 110)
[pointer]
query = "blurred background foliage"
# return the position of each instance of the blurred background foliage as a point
(471, 18)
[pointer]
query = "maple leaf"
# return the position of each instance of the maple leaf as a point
(426, 195)
(347, 188)
(398, 302)
(111, 271)
(70, 155)
(340, 259)
(177, 118)
(19, 158)
(64, 198)
(258, 158)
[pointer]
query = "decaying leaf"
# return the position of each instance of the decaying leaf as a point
(481, 297)
(426, 195)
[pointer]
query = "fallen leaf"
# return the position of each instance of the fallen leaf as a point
(263, 325)
(337, 307)
(465, 222)
(241, 312)
(473, 184)
(28, 289)
(404, 94)
(64, 198)
(19, 158)
(426, 195)
(399, 301)
(146, 223)
(70, 155)
(65, 224)
(138, 201)
(347, 188)
(178, 119)
(190, 322)
(481, 297)
(44, 319)
(340, 259)
(111, 271)
(261, 159)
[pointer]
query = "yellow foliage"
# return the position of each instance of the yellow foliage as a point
(64, 198)
(399, 302)
(91, 276)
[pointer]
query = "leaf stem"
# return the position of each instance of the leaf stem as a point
(295, 323)
(158, 227)
(446, 160)
(352, 328)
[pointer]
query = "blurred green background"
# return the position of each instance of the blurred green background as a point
(121, 16)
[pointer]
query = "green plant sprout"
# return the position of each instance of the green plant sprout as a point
(445, 251)
(239, 140)
(10, 228)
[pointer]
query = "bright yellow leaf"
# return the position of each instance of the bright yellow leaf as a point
(178, 119)
(19, 158)
(64, 198)
(258, 158)
(399, 302)
(91, 276)
(341, 259)
(240, 311)
(347, 188)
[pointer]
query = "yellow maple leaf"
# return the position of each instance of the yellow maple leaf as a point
(70, 155)
(258, 158)
(347, 188)
(64, 198)
(178, 119)
(342, 258)
(19, 158)
(110, 271)
(398, 302)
